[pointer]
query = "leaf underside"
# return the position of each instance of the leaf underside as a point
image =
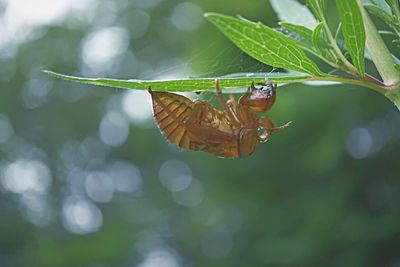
(187, 85)
(300, 30)
(353, 32)
(265, 44)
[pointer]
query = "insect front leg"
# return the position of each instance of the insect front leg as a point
(267, 126)
(230, 106)
(220, 97)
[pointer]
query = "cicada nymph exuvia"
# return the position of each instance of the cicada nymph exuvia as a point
(232, 133)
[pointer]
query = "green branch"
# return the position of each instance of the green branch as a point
(379, 52)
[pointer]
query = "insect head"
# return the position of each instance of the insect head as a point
(263, 97)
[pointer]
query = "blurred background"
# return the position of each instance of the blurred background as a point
(87, 180)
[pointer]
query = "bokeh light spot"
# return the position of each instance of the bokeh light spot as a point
(359, 143)
(160, 258)
(24, 21)
(175, 175)
(26, 176)
(6, 129)
(137, 106)
(191, 196)
(36, 209)
(35, 92)
(113, 129)
(92, 151)
(187, 16)
(99, 187)
(126, 177)
(81, 216)
(101, 48)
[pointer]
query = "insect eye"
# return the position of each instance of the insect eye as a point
(266, 91)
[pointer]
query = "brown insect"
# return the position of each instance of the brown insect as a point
(232, 133)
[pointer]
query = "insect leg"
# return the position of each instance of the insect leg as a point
(231, 109)
(268, 124)
(282, 126)
(220, 97)
(229, 106)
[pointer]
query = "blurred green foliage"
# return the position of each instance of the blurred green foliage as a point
(87, 180)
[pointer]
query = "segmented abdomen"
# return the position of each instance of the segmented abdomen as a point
(171, 111)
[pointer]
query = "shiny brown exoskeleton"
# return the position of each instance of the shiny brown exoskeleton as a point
(232, 133)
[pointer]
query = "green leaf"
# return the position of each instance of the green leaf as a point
(353, 32)
(187, 85)
(289, 10)
(397, 66)
(300, 30)
(265, 44)
(383, 15)
(303, 36)
(318, 40)
(318, 7)
(394, 7)
(235, 82)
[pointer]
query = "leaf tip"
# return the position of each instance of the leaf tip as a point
(57, 75)
(51, 73)
(210, 15)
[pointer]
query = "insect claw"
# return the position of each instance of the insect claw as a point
(252, 88)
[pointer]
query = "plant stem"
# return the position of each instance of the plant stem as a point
(374, 85)
(327, 61)
(394, 96)
(332, 42)
(380, 54)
